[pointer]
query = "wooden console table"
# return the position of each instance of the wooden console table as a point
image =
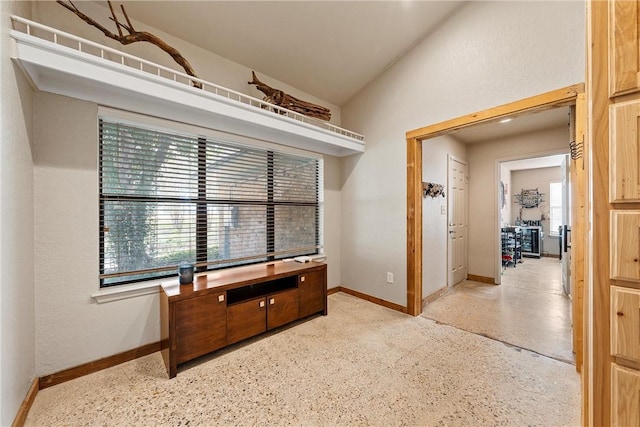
(223, 307)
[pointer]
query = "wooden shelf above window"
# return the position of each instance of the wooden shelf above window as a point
(68, 65)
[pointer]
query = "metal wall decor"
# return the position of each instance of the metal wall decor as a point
(529, 198)
(432, 189)
(575, 149)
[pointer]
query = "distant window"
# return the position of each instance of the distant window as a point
(555, 207)
(172, 197)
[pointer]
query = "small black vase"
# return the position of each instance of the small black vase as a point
(185, 273)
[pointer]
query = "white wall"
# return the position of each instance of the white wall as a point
(71, 328)
(332, 230)
(483, 178)
(17, 318)
(487, 54)
(434, 221)
(537, 178)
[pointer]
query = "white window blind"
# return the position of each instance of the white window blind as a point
(555, 207)
(168, 198)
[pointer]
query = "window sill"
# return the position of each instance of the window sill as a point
(121, 292)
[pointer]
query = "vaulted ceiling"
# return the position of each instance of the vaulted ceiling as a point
(330, 49)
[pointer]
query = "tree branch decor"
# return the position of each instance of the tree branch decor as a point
(278, 97)
(133, 35)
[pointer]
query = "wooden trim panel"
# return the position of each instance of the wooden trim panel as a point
(374, 300)
(23, 411)
(97, 365)
(579, 230)
(552, 255)
(414, 226)
(333, 290)
(624, 51)
(597, 357)
(481, 279)
(434, 296)
(553, 99)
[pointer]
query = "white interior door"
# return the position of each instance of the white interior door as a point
(457, 247)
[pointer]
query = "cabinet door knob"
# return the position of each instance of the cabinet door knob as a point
(261, 303)
(302, 278)
(272, 301)
(220, 298)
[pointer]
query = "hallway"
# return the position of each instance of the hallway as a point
(529, 310)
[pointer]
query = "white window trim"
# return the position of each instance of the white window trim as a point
(149, 287)
(156, 123)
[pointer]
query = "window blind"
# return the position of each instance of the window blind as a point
(169, 198)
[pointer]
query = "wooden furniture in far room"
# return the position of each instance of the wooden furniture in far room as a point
(226, 306)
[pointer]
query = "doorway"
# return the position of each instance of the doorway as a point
(531, 209)
(559, 98)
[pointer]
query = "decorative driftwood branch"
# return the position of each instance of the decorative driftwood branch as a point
(133, 35)
(278, 97)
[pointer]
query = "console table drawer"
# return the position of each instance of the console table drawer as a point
(312, 292)
(282, 308)
(201, 326)
(246, 319)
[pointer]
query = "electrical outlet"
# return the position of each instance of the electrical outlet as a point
(389, 277)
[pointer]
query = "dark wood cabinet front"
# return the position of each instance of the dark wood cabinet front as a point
(225, 307)
(282, 308)
(312, 291)
(201, 326)
(246, 319)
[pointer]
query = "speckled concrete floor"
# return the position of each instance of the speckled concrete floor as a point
(529, 309)
(360, 365)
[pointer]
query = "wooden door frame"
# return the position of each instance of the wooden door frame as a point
(558, 98)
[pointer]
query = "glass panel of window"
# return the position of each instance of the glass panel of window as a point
(168, 198)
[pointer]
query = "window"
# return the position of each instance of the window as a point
(555, 207)
(170, 197)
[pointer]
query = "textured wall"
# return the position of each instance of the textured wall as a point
(17, 317)
(487, 54)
